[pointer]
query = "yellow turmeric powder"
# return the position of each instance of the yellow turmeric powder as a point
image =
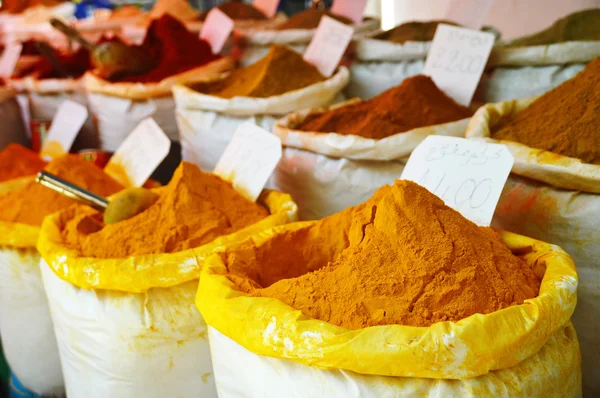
(402, 257)
(32, 202)
(17, 161)
(195, 208)
(282, 70)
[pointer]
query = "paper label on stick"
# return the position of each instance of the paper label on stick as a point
(268, 7)
(139, 155)
(68, 120)
(351, 9)
(467, 175)
(457, 59)
(328, 45)
(470, 14)
(10, 58)
(249, 159)
(216, 29)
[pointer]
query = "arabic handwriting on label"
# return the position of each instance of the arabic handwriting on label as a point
(470, 14)
(351, 9)
(267, 7)
(68, 120)
(216, 29)
(457, 59)
(328, 45)
(467, 175)
(9, 59)
(249, 159)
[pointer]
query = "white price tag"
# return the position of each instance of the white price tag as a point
(68, 120)
(10, 58)
(267, 7)
(469, 13)
(249, 159)
(328, 45)
(351, 9)
(216, 29)
(139, 155)
(457, 59)
(467, 175)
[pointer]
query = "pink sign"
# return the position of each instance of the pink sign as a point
(328, 45)
(9, 59)
(470, 14)
(216, 29)
(267, 7)
(351, 9)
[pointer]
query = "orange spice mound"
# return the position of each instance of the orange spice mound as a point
(402, 257)
(310, 19)
(237, 10)
(195, 208)
(17, 161)
(417, 102)
(32, 202)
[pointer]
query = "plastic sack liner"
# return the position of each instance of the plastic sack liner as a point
(554, 198)
(328, 172)
(25, 323)
(207, 123)
(128, 327)
(471, 350)
(120, 107)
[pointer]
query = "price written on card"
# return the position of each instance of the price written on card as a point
(67, 122)
(457, 59)
(249, 159)
(467, 175)
(351, 9)
(216, 29)
(267, 7)
(328, 45)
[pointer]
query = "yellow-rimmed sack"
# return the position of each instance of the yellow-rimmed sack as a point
(464, 357)
(25, 323)
(207, 123)
(554, 198)
(328, 172)
(120, 107)
(129, 327)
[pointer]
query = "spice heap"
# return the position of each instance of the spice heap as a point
(417, 102)
(18, 6)
(32, 202)
(174, 49)
(180, 9)
(73, 64)
(402, 257)
(282, 70)
(310, 19)
(580, 26)
(237, 10)
(412, 31)
(565, 120)
(195, 208)
(17, 161)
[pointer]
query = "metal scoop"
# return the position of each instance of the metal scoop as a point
(121, 206)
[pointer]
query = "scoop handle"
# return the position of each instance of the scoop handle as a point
(71, 190)
(70, 32)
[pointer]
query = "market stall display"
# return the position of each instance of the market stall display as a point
(553, 191)
(339, 156)
(280, 83)
(397, 296)
(131, 284)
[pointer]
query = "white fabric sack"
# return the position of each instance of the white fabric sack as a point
(162, 349)
(120, 107)
(13, 127)
(207, 123)
(556, 199)
(257, 41)
(328, 172)
(25, 323)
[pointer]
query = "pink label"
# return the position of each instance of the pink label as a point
(470, 14)
(9, 59)
(216, 29)
(351, 9)
(267, 7)
(328, 45)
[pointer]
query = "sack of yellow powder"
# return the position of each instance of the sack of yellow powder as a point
(280, 83)
(339, 156)
(122, 295)
(119, 105)
(553, 193)
(12, 129)
(25, 323)
(400, 296)
(535, 64)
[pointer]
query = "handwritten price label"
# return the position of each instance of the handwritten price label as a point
(67, 122)
(267, 7)
(249, 159)
(470, 14)
(139, 155)
(467, 175)
(9, 59)
(216, 29)
(457, 59)
(351, 9)
(328, 45)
